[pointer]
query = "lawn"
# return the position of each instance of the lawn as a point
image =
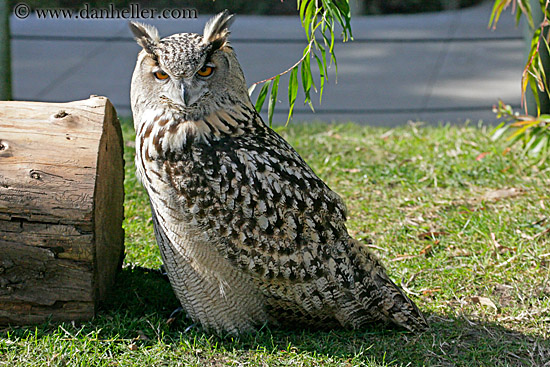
(461, 223)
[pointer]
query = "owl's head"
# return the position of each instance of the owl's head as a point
(187, 72)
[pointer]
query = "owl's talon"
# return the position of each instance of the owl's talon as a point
(174, 315)
(176, 312)
(187, 329)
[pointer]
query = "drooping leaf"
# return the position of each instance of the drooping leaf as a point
(525, 7)
(307, 16)
(541, 146)
(335, 13)
(292, 92)
(498, 7)
(532, 140)
(324, 56)
(261, 97)
(499, 131)
(251, 89)
(331, 48)
(306, 78)
(302, 7)
(345, 12)
(532, 81)
(272, 99)
(518, 133)
(321, 76)
(317, 17)
(333, 60)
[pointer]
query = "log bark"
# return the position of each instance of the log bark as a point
(61, 208)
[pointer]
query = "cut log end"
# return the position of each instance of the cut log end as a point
(61, 208)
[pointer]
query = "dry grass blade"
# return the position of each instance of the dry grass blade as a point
(483, 301)
(501, 194)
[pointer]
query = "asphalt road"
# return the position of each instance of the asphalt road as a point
(432, 67)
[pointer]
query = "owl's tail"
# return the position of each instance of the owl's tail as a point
(374, 289)
(399, 309)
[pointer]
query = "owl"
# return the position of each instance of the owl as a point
(247, 232)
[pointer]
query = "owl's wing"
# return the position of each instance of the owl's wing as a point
(264, 209)
(289, 231)
(257, 200)
(275, 205)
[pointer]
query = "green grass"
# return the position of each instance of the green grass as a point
(474, 259)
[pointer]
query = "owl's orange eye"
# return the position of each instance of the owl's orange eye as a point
(160, 75)
(206, 70)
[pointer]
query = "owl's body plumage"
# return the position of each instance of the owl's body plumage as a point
(248, 233)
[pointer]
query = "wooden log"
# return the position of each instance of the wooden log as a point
(61, 208)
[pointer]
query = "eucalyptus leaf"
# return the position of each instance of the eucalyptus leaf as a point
(306, 78)
(321, 76)
(251, 89)
(540, 147)
(319, 18)
(262, 96)
(272, 99)
(292, 92)
(532, 131)
(499, 131)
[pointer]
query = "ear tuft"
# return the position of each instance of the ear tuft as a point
(216, 29)
(146, 35)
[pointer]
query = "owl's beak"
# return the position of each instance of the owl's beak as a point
(190, 93)
(185, 94)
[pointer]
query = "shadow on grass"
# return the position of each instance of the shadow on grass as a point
(142, 301)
